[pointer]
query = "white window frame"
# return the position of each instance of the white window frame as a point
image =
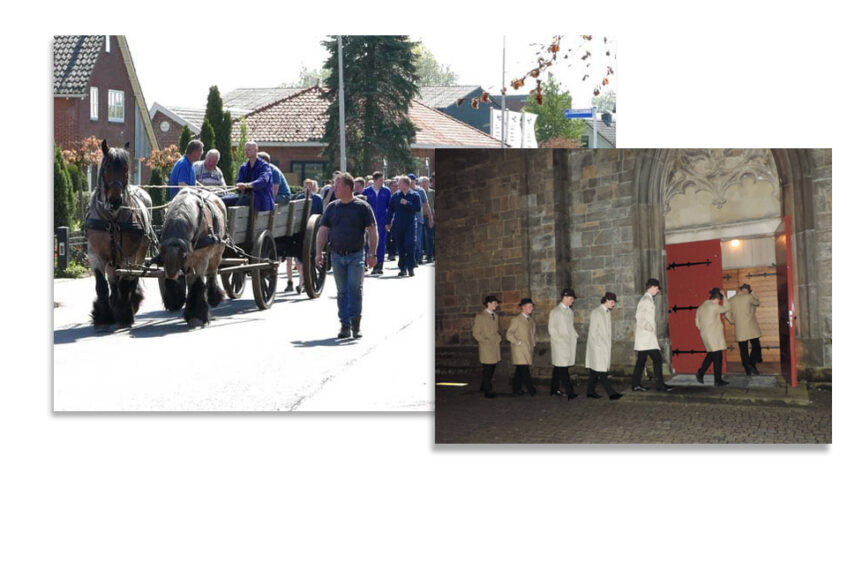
(94, 106)
(113, 94)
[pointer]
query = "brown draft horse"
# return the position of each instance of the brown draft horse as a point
(119, 231)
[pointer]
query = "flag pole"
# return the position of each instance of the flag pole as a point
(341, 124)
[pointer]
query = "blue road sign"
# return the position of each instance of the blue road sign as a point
(577, 113)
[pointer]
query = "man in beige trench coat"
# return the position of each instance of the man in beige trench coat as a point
(521, 335)
(486, 333)
(598, 353)
(563, 339)
(646, 340)
(709, 323)
(742, 313)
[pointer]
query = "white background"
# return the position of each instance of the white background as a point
(373, 487)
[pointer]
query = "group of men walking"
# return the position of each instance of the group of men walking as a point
(739, 310)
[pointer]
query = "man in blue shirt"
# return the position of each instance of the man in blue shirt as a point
(183, 171)
(378, 197)
(282, 193)
(400, 221)
(256, 174)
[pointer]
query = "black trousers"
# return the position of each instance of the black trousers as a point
(593, 376)
(521, 379)
(715, 358)
(656, 356)
(561, 375)
(748, 357)
(487, 375)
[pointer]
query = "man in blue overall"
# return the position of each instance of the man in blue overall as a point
(255, 174)
(378, 197)
(402, 208)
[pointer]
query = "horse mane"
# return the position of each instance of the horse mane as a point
(180, 221)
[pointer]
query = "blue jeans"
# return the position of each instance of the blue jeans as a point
(349, 272)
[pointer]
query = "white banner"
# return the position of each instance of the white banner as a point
(520, 128)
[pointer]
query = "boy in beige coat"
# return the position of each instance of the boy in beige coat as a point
(563, 339)
(486, 333)
(598, 353)
(710, 325)
(521, 335)
(742, 313)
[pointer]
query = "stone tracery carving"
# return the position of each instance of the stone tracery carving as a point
(716, 170)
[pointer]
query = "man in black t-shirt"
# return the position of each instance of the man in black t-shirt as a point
(344, 224)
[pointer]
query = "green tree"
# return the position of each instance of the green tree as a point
(242, 140)
(207, 136)
(224, 144)
(551, 122)
(184, 138)
(75, 199)
(429, 71)
(311, 76)
(61, 190)
(157, 178)
(379, 84)
(606, 101)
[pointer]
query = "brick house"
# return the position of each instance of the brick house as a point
(290, 130)
(96, 93)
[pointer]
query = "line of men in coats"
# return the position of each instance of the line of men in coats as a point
(598, 355)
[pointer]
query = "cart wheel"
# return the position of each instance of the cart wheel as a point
(233, 284)
(173, 302)
(264, 280)
(313, 277)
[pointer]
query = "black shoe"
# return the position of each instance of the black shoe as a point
(356, 325)
(593, 396)
(532, 392)
(344, 332)
(411, 273)
(517, 393)
(615, 397)
(721, 382)
(402, 274)
(753, 369)
(391, 258)
(558, 392)
(699, 377)
(289, 287)
(572, 396)
(640, 388)
(491, 395)
(299, 289)
(664, 388)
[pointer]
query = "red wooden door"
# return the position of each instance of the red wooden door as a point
(693, 268)
(785, 298)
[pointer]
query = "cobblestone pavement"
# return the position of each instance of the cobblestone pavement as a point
(463, 415)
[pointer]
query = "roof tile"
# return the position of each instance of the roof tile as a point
(74, 57)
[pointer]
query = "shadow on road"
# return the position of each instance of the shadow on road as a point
(324, 342)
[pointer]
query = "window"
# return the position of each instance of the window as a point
(108, 45)
(95, 101)
(315, 170)
(116, 106)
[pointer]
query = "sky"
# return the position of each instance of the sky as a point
(278, 60)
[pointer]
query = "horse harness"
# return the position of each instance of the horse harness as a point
(137, 223)
(211, 219)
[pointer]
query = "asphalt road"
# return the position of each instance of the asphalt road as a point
(285, 358)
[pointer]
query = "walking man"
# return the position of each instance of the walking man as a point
(646, 341)
(486, 333)
(563, 339)
(742, 313)
(521, 335)
(598, 353)
(710, 325)
(400, 221)
(344, 224)
(379, 197)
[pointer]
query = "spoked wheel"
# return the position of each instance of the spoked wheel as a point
(233, 283)
(313, 277)
(264, 280)
(173, 292)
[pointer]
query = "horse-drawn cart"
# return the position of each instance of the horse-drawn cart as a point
(257, 242)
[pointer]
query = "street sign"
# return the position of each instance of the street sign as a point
(578, 113)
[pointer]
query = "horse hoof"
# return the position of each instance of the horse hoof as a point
(195, 323)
